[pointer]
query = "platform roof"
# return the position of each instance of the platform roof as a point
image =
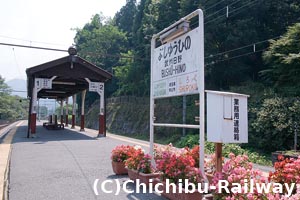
(71, 72)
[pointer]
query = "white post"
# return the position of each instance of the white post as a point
(33, 109)
(102, 123)
(201, 98)
(73, 111)
(34, 100)
(82, 110)
(74, 104)
(152, 105)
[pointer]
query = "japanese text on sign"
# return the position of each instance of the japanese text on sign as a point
(176, 66)
(43, 83)
(96, 87)
(236, 117)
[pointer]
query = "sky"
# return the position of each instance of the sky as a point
(44, 24)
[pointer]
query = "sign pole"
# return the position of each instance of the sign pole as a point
(152, 105)
(201, 95)
(218, 154)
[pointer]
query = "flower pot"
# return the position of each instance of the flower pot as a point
(144, 178)
(119, 168)
(179, 196)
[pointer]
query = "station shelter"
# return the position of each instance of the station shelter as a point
(63, 78)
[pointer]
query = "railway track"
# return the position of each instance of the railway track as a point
(3, 126)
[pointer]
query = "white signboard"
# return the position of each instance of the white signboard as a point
(96, 87)
(99, 88)
(43, 83)
(227, 117)
(176, 66)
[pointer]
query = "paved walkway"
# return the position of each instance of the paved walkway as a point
(64, 164)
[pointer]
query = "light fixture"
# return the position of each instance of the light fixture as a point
(175, 32)
(72, 51)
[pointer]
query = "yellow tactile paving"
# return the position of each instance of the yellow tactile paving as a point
(5, 147)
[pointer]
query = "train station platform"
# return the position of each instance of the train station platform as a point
(64, 164)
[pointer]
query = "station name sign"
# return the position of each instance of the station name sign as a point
(176, 66)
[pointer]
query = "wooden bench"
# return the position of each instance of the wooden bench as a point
(50, 126)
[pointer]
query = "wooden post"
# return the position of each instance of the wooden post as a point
(218, 151)
(102, 116)
(82, 110)
(61, 111)
(73, 111)
(67, 112)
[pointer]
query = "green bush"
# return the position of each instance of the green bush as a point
(274, 124)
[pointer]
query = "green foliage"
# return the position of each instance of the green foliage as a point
(192, 140)
(283, 57)
(274, 125)
(124, 19)
(11, 107)
(188, 141)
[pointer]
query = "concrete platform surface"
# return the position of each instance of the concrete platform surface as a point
(64, 164)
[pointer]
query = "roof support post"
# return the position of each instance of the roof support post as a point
(82, 110)
(73, 111)
(99, 88)
(102, 121)
(33, 110)
(67, 112)
(61, 111)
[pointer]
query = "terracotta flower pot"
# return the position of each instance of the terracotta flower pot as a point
(144, 178)
(119, 168)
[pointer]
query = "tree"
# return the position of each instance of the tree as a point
(283, 59)
(124, 19)
(102, 44)
(11, 107)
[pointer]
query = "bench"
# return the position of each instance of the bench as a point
(50, 126)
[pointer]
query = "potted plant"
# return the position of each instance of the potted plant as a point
(177, 165)
(139, 167)
(118, 156)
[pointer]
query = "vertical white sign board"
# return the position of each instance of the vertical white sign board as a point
(177, 69)
(99, 88)
(227, 117)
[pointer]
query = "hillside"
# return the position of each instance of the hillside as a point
(130, 116)
(19, 86)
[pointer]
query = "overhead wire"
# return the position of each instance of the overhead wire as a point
(251, 3)
(223, 8)
(206, 9)
(234, 57)
(15, 57)
(30, 41)
(239, 48)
